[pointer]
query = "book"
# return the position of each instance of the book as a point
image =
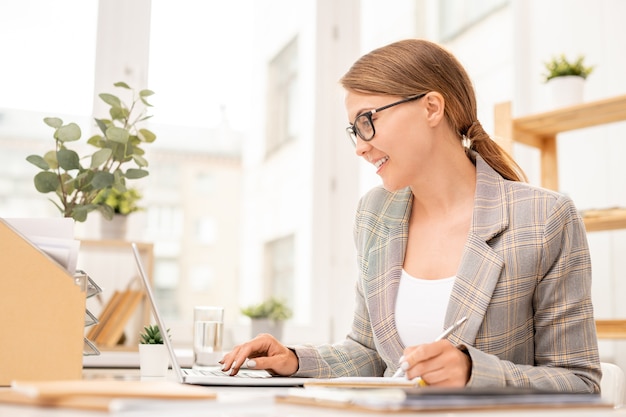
(428, 399)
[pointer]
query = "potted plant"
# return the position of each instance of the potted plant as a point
(566, 80)
(118, 143)
(121, 203)
(268, 317)
(153, 358)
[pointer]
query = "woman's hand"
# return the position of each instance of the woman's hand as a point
(262, 352)
(438, 363)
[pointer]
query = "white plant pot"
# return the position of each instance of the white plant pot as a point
(275, 328)
(566, 91)
(114, 229)
(153, 360)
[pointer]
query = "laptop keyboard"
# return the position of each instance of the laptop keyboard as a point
(217, 372)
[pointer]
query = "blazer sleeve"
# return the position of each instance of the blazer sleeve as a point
(565, 344)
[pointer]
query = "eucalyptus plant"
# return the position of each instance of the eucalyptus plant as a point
(118, 143)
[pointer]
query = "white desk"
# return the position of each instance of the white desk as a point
(259, 402)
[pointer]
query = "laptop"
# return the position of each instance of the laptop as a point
(209, 376)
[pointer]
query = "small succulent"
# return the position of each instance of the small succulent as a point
(272, 308)
(559, 66)
(151, 335)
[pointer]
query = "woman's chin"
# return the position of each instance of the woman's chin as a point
(391, 187)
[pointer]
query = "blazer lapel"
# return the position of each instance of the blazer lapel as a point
(480, 266)
(385, 261)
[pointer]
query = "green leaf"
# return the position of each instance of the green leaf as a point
(133, 173)
(107, 211)
(146, 135)
(146, 93)
(80, 213)
(46, 182)
(38, 161)
(68, 159)
(97, 141)
(117, 134)
(51, 158)
(119, 113)
(122, 84)
(110, 99)
(140, 161)
(54, 122)
(100, 157)
(103, 124)
(102, 179)
(68, 133)
(68, 183)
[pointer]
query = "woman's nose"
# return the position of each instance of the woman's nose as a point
(361, 146)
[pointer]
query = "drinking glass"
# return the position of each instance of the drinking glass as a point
(208, 334)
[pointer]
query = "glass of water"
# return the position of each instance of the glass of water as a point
(208, 332)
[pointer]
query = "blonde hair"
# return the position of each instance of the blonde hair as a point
(415, 66)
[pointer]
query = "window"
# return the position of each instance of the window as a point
(455, 16)
(48, 55)
(282, 105)
(279, 268)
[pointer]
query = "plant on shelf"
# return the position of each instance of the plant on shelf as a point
(272, 308)
(119, 142)
(120, 202)
(151, 335)
(560, 66)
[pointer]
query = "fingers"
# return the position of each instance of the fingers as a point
(438, 363)
(236, 358)
(262, 352)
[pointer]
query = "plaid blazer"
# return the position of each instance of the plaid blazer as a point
(524, 283)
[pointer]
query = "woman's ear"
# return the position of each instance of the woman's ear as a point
(435, 108)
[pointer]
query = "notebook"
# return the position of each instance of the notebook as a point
(209, 376)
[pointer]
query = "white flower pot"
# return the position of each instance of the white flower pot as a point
(153, 360)
(566, 91)
(275, 328)
(114, 229)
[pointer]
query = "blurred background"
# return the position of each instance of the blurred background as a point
(253, 184)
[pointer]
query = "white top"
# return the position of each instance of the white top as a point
(421, 307)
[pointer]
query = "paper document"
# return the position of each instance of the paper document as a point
(364, 382)
(53, 236)
(438, 399)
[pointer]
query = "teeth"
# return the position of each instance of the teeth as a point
(381, 161)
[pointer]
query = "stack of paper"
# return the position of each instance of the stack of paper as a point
(54, 236)
(435, 399)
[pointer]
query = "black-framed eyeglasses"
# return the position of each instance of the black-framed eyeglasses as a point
(364, 125)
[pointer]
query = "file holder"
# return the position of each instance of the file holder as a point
(91, 289)
(42, 313)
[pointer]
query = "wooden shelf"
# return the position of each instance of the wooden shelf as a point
(540, 131)
(121, 249)
(611, 329)
(531, 129)
(608, 219)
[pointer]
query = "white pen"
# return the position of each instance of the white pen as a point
(445, 334)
